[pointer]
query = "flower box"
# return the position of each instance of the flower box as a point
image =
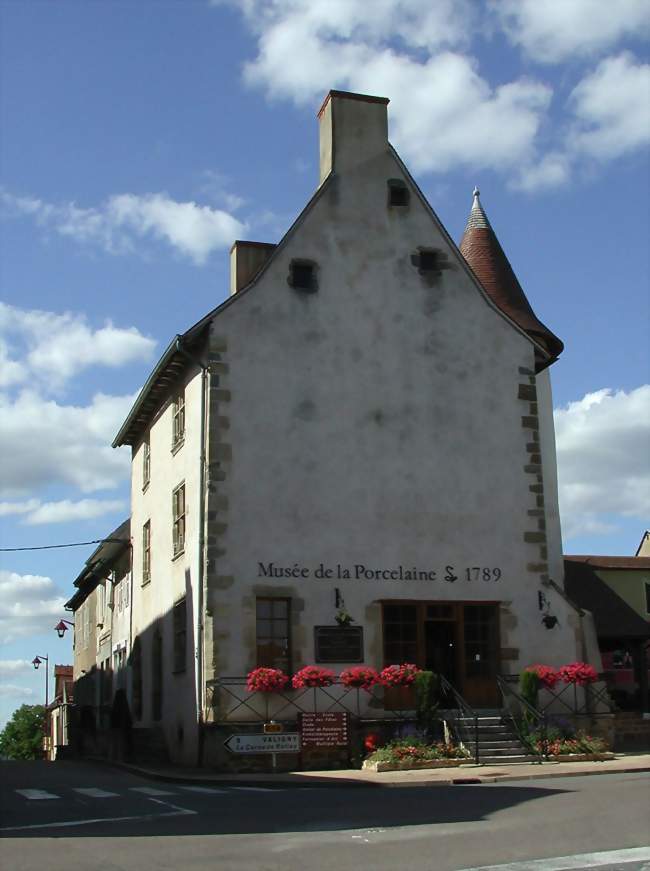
(379, 767)
(582, 757)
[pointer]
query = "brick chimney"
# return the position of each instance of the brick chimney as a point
(353, 130)
(246, 260)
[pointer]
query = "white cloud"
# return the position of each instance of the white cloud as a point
(27, 605)
(118, 224)
(51, 443)
(555, 30)
(14, 666)
(603, 463)
(67, 510)
(54, 347)
(550, 171)
(8, 508)
(444, 114)
(9, 689)
(612, 108)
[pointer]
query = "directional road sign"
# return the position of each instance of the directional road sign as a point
(285, 742)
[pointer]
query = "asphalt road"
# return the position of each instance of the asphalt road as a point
(85, 817)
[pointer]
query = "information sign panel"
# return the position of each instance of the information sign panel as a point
(338, 643)
(324, 730)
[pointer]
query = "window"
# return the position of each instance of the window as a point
(273, 633)
(178, 516)
(398, 193)
(146, 552)
(136, 666)
(426, 260)
(302, 275)
(146, 463)
(180, 635)
(647, 596)
(178, 420)
(400, 634)
(157, 676)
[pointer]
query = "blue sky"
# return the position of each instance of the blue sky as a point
(141, 137)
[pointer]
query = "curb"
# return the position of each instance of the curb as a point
(313, 783)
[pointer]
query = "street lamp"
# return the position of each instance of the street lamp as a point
(62, 627)
(36, 662)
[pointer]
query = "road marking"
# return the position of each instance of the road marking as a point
(150, 790)
(565, 863)
(69, 824)
(36, 794)
(92, 792)
(203, 789)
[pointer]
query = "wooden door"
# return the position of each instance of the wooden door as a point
(480, 655)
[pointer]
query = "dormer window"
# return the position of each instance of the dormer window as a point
(398, 194)
(302, 275)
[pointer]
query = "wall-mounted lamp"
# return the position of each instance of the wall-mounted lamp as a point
(62, 627)
(549, 620)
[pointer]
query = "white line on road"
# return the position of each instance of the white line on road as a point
(36, 794)
(565, 863)
(208, 790)
(69, 824)
(150, 790)
(92, 792)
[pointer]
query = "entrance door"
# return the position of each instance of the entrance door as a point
(459, 640)
(480, 655)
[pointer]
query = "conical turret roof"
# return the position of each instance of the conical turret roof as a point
(481, 249)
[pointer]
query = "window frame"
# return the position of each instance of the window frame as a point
(146, 552)
(178, 420)
(146, 462)
(179, 524)
(179, 619)
(261, 660)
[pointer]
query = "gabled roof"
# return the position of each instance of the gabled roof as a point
(101, 560)
(484, 254)
(612, 615)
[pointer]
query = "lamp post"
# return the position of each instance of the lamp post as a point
(36, 662)
(62, 627)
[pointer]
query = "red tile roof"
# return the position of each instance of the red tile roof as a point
(612, 562)
(481, 249)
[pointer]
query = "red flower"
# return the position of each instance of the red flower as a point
(266, 680)
(580, 673)
(360, 676)
(398, 675)
(371, 742)
(312, 676)
(548, 677)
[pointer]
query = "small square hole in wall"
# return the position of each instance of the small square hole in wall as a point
(302, 275)
(428, 261)
(398, 193)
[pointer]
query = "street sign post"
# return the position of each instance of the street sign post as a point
(284, 742)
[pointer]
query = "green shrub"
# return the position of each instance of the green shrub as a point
(427, 695)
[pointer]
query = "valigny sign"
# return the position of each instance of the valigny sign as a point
(284, 742)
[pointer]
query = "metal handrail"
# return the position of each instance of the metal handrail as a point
(466, 709)
(539, 717)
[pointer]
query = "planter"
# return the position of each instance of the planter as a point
(413, 766)
(581, 757)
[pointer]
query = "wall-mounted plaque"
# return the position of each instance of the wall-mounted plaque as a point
(338, 643)
(324, 730)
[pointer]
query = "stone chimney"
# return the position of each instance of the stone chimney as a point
(246, 260)
(353, 130)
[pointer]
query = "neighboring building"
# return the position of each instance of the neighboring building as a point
(644, 547)
(102, 641)
(364, 425)
(616, 590)
(59, 713)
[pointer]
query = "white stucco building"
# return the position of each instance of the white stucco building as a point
(366, 420)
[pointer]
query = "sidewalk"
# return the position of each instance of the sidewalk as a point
(465, 774)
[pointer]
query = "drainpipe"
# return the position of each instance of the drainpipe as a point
(202, 555)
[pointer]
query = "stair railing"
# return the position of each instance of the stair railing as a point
(465, 710)
(522, 715)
